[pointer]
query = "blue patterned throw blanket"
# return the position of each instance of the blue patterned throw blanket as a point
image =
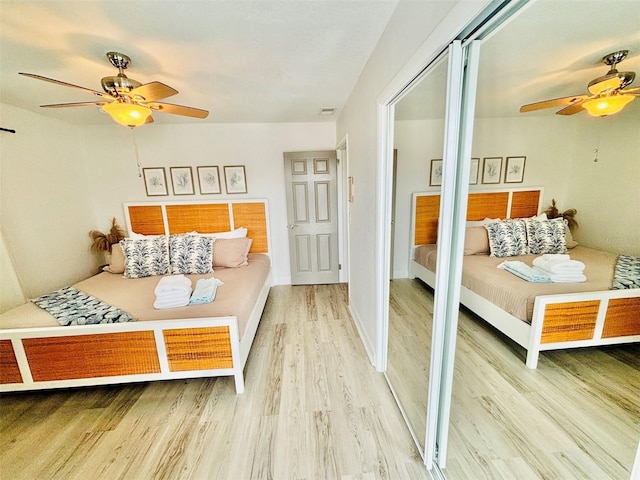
(70, 306)
(627, 273)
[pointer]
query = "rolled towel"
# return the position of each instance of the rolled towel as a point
(173, 283)
(205, 291)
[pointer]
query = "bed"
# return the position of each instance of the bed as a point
(537, 316)
(208, 340)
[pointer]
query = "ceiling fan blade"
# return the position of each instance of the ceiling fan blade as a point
(153, 91)
(178, 109)
(79, 104)
(573, 108)
(65, 84)
(556, 102)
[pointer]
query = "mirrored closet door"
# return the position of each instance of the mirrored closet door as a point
(419, 138)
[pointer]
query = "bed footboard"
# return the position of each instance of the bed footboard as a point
(44, 358)
(583, 320)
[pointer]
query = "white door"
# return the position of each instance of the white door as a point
(312, 216)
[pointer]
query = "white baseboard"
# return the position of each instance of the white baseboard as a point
(366, 341)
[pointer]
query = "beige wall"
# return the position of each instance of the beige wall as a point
(59, 181)
(113, 174)
(422, 27)
(560, 156)
(44, 212)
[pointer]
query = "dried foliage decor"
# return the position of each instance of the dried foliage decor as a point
(102, 242)
(553, 212)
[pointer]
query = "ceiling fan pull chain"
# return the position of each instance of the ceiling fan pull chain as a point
(597, 149)
(135, 149)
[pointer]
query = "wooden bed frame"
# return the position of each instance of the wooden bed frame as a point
(559, 321)
(56, 357)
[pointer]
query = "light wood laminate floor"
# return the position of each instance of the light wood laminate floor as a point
(576, 417)
(313, 408)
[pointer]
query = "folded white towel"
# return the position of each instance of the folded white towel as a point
(173, 283)
(559, 266)
(161, 303)
(171, 296)
(556, 256)
(568, 278)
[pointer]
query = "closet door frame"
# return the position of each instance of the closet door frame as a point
(463, 51)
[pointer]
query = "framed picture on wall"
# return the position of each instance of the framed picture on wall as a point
(235, 179)
(473, 174)
(514, 170)
(435, 177)
(209, 180)
(182, 181)
(491, 170)
(155, 181)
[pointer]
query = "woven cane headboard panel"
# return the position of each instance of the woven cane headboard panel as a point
(494, 204)
(203, 217)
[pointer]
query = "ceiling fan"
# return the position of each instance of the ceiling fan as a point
(609, 93)
(128, 101)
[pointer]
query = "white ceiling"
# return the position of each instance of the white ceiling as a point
(282, 61)
(244, 61)
(551, 49)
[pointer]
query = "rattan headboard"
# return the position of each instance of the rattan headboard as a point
(158, 218)
(508, 203)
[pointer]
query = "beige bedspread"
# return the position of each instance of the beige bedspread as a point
(236, 297)
(515, 295)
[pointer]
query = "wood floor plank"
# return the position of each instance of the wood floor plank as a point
(575, 417)
(313, 408)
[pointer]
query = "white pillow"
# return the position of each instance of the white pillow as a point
(240, 232)
(140, 236)
(482, 223)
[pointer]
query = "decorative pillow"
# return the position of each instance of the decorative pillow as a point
(145, 257)
(546, 236)
(231, 252)
(571, 243)
(116, 261)
(507, 238)
(191, 254)
(476, 241)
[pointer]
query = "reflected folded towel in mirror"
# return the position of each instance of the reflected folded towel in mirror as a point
(524, 271)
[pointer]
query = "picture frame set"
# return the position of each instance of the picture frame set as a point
(491, 171)
(182, 180)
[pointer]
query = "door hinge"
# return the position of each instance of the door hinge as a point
(339, 266)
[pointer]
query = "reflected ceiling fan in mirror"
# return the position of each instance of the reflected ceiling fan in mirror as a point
(126, 100)
(608, 94)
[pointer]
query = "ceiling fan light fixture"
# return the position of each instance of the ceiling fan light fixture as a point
(128, 114)
(599, 107)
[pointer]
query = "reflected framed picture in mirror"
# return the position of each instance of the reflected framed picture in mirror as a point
(473, 174)
(435, 177)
